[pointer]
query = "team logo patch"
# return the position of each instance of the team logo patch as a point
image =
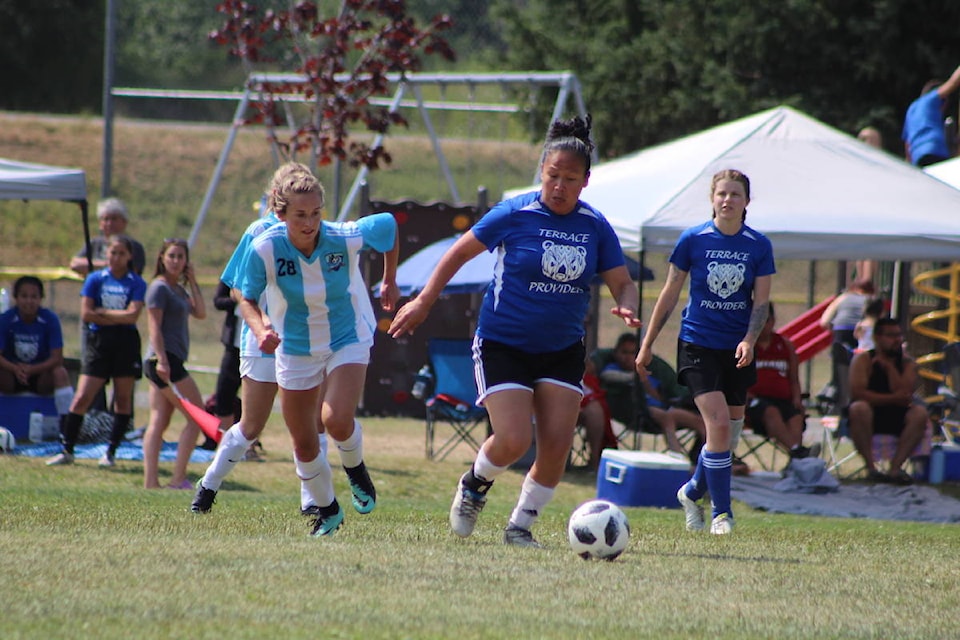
(724, 278)
(562, 262)
(26, 348)
(333, 261)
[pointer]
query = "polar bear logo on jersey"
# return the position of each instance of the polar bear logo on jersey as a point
(26, 348)
(563, 262)
(724, 278)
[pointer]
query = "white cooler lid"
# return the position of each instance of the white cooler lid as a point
(645, 459)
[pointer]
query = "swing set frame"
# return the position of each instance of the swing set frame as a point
(408, 94)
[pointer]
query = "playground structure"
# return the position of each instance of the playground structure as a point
(518, 92)
(941, 326)
(932, 323)
(806, 334)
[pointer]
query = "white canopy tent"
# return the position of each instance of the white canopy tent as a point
(817, 193)
(947, 171)
(28, 181)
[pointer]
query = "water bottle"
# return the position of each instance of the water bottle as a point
(36, 427)
(937, 464)
(4, 299)
(422, 382)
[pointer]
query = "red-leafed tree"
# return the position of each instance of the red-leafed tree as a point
(343, 59)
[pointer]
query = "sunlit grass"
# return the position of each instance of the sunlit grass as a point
(89, 554)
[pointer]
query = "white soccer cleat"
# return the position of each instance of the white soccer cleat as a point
(60, 459)
(692, 510)
(722, 525)
(466, 507)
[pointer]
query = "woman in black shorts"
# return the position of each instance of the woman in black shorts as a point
(111, 301)
(172, 298)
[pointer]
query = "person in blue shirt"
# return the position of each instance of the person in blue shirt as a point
(31, 347)
(111, 302)
(924, 135)
(730, 267)
(529, 349)
(320, 325)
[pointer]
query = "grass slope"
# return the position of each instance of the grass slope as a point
(162, 170)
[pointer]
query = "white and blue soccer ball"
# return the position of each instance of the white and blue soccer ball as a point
(598, 530)
(7, 441)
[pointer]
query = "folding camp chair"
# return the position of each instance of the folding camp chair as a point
(452, 402)
(767, 452)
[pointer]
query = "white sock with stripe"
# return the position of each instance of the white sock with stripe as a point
(533, 498)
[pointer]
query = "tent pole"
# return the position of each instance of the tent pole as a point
(84, 214)
(811, 294)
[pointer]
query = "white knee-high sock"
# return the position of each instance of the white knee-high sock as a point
(304, 495)
(351, 449)
(62, 398)
(322, 438)
(485, 470)
(316, 482)
(229, 453)
(533, 498)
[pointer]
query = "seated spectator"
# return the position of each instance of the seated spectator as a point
(31, 347)
(662, 402)
(882, 383)
(774, 403)
(595, 417)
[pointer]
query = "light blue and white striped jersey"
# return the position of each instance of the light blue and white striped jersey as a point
(232, 277)
(317, 304)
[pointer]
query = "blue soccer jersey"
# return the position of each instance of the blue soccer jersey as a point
(538, 299)
(232, 276)
(319, 303)
(722, 272)
(31, 342)
(108, 292)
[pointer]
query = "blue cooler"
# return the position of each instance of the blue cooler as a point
(640, 478)
(15, 412)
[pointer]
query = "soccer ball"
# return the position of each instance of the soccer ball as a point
(7, 442)
(598, 530)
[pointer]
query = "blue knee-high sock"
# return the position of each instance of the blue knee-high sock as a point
(697, 486)
(717, 467)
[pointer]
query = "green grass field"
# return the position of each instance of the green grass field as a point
(87, 553)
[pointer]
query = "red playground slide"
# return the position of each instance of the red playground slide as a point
(806, 334)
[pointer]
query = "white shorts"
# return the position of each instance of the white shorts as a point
(258, 369)
(298, 373)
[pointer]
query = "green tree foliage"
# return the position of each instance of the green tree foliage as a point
(344, 54)
(51, 55)
(163, 44)
(653, 70)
